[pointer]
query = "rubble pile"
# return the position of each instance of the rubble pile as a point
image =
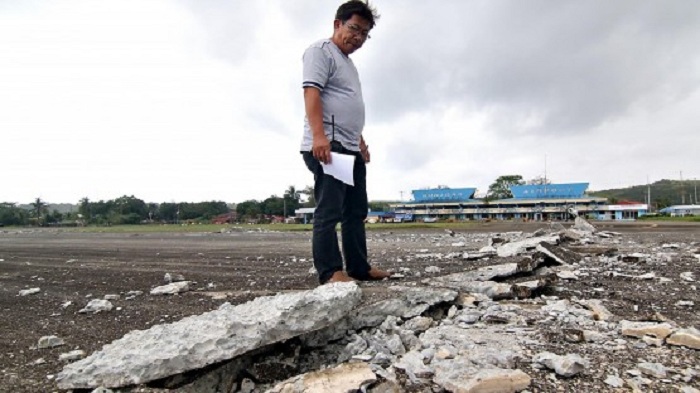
(496, 326)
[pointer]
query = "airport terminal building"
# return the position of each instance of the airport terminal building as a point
(539, 202)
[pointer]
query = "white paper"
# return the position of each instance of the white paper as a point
(341, 167)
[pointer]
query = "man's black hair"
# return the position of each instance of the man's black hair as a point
(359, 8)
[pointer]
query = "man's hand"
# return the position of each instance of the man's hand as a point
(364, 150)
(365, 153)
(321, 148)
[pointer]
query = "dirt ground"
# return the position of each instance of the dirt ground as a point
(239, 265)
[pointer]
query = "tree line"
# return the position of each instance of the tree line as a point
(132, 210)
(123, 210)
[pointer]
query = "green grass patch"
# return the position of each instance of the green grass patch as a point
(670, 219)
(175, 228)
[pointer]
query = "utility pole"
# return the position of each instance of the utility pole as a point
(695, 183)
(682, 190)
(648, 194)
(545, 175)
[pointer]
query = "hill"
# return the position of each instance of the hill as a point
(663, 193)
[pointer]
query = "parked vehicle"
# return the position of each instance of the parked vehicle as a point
(403, 217)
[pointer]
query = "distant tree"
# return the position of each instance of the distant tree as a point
(10, 214)
(273, 205)
(660, 203)
(292, 200)
(39, 209)
(539, 180)
(131, 205)
(249, 209)
(84, 209)
(54, 217)
(500, 189)
(202, 210)
(213, 209)
(167, 211)
(379, 206)
(152, 211)
(99, 211)
(310, 196)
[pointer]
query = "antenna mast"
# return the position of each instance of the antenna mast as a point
(545, 175)
(682, 190)
(648, 194)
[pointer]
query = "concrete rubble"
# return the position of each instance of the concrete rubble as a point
(172, 288)
(195, 342)
(566, 366)
(50, 342)
(343, 378)
(486, 329)
(72, 355)
(30, 291)
(97, 305)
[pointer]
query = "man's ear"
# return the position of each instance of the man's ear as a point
(336, 24)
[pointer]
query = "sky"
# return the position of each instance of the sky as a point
(200, 100)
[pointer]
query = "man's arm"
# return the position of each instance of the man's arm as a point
(321, 147)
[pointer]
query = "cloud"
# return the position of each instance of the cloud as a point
(193, 100)
(541, 67)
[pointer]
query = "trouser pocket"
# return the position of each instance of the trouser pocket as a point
(312, 163)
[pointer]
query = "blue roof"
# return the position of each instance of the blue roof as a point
(540, 191)
(443, 194)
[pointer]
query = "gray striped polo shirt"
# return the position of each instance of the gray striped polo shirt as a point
(334, 74)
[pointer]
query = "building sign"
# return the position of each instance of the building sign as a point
(443, 194)
(565, 190)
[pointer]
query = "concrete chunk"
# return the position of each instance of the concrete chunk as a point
(172, 288)
(561, 255)
(686, 337)
(641, 329)
(197, 341)
(30, 291)
(581, 224)
(521, 246)
(50, 342)
(566, 366)
(348, 377)
(490, 380)
(97, 305)
(656, 370)
(600, 313)
(72, 355)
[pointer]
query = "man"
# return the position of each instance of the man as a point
(335, 117)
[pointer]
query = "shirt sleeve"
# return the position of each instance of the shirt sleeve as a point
(317, 68)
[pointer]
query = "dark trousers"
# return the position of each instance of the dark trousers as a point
(337, 202)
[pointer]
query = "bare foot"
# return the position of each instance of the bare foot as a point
(376, 274)
(339, 276)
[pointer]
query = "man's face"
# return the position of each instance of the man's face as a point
(350, 36)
